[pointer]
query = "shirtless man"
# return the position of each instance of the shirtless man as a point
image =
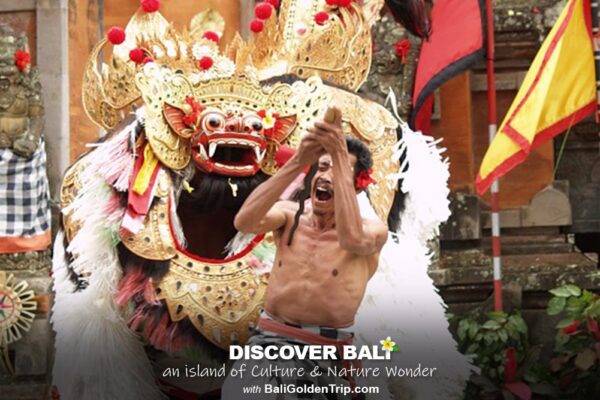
(317, 283)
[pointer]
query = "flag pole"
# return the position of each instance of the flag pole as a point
(491, 92)
(595, 37)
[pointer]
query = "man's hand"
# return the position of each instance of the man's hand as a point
(309, 150)
(330, 134)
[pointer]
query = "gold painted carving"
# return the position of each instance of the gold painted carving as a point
(155, 240)
(222, 300)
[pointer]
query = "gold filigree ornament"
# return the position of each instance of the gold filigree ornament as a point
(223, 300)
(338, 51)
(17, 311)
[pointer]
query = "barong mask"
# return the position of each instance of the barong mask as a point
(155, 66)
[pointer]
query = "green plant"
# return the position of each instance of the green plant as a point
(576, 366)
(501, 350)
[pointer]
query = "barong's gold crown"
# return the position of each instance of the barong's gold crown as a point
(292, 41)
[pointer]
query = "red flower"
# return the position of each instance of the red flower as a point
(345, 3)
(137, 55)
(263, 10)
(364, 179)
(332, 2)
(568, 330)
(257, 26)
(196, 107)
(148, 60)
(205, 63)
(210, 35)
(510, 365)
(150, 6)
(116, 35)
(321, 17)
(22, 60)
(535, 10)
(274, 3)
(402, 48)
(191, 119)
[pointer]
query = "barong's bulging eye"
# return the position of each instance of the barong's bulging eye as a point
(253, 124)
(213, 121)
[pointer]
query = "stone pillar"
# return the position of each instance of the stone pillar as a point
(52, 55)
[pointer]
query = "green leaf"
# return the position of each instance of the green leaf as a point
(503, 335)
(593, 310)
(587, 296)
(473, 329)
(472, 349)
(565, 322)
(490, 337)
(573, 289)
(491, 324)
(575, 306)
(556, 305)
(519, 323)
(566, 291)
(512, 331)
(395, 348)
(499, 316)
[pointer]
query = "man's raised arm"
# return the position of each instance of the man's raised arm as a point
(261, 211)
(354, 234)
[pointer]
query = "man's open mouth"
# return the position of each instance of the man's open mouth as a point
(230, 153)
(323, 193)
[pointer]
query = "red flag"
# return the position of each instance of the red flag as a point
(456, 43)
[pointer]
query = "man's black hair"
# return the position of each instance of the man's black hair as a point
(364, 161)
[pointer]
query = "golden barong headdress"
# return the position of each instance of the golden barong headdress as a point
(316, 40)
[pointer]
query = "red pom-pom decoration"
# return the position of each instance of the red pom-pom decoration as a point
(137, 55)
(148, 60)
(344, 3)
(332, 2)
(263, 10)
(205, 63)
(257, 26)
(150, 6)
(274, 3)
(22, 60)
(116, 35)
(210, 35)
(321, 17)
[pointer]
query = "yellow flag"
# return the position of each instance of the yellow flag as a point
(558, 91)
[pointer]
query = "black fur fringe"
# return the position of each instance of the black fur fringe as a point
(412, 14)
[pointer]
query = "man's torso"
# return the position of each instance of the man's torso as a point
(314, 281)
